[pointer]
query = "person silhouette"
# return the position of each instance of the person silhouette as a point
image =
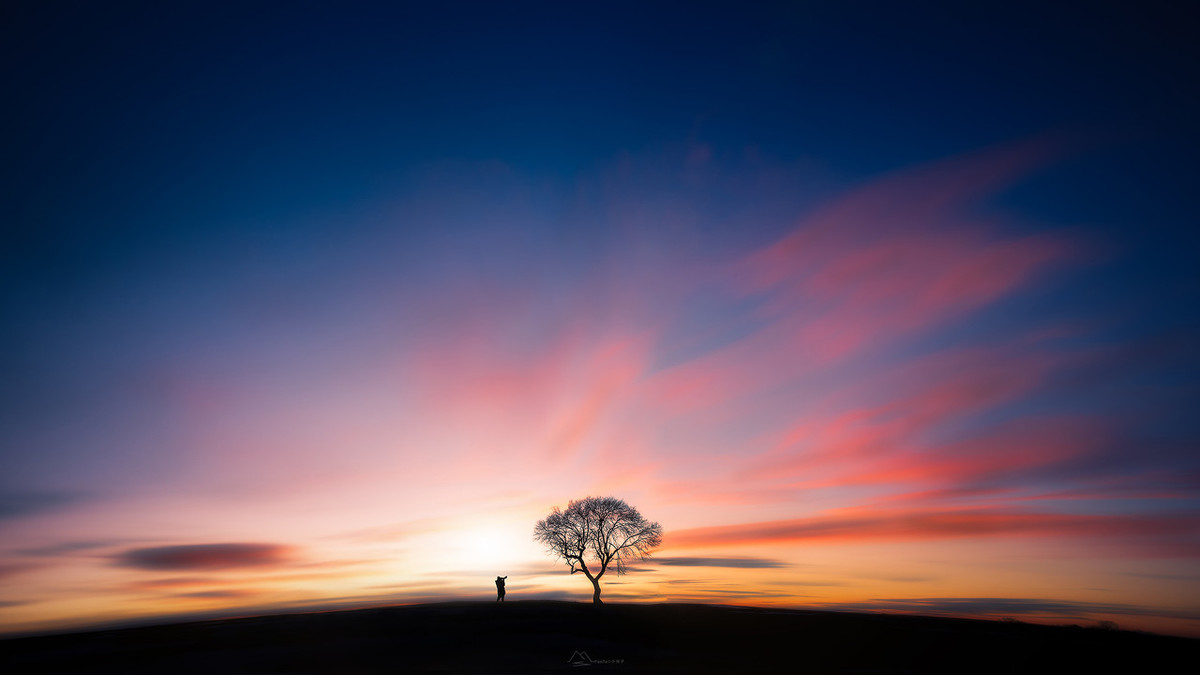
(500, 589)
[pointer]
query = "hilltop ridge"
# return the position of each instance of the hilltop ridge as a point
(536, 636)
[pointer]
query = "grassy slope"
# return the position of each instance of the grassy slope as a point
(537, 636)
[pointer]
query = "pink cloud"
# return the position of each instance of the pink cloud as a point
(883, 423)
(925, 199)
(881, 264)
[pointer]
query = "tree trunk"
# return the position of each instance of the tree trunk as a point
(596, 593)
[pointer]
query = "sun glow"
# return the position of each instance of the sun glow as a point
(492, 545)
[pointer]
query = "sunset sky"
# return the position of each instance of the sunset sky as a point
(873, 306)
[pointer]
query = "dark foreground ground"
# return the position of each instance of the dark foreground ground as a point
(560, 636)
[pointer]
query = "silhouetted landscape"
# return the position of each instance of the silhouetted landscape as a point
(549, 635)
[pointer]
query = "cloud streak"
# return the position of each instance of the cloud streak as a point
(730, 562)
(205, 556)
(1162, 534)
(1003, 607)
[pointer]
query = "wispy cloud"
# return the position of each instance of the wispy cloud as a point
(878, 266)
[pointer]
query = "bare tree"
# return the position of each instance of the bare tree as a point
(603, 530)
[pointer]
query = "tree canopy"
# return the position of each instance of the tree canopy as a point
(605, 531)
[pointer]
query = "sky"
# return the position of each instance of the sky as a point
(872, 306)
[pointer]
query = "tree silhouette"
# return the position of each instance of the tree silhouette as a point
(604, 530)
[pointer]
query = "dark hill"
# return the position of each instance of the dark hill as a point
(550, 636)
